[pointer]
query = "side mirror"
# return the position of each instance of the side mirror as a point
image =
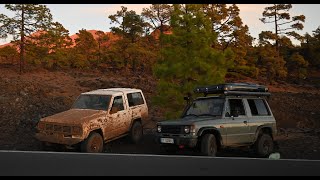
(114, 110)
(186, 98)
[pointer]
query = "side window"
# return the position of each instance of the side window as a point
(258, 107)
(135, 99)
(118, 102)
(236, 107)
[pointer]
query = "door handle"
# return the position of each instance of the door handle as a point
(246, 122)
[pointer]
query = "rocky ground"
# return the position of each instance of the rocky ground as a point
(24, 99)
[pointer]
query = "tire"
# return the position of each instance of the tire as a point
(93, 144)
(264, 145)
(136, 132)
(45, 147)
(208, 145)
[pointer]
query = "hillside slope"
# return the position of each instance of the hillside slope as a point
(24, 99)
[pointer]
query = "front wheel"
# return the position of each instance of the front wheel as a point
(136, 132)
(93, 144)
(264, 145)
(208, 145)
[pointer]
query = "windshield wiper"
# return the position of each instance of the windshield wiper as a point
(192, 115)
(208, 115)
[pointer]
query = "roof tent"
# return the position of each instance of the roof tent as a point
(237, 89)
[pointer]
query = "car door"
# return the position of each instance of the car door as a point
(118, 117)
(237, 125)
(260, 115)
(137, 105)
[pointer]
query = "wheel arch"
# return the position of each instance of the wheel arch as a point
(210, 130)
(98, 130)
(139, 119)
(263, 130)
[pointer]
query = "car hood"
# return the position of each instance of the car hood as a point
(74, 116)
(188, 120)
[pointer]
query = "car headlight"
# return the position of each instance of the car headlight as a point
(76, 130)
(187, 129)
(159, 129)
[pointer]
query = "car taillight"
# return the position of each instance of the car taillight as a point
(41, 125)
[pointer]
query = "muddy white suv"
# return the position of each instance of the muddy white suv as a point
(236, 114)
(97, 117)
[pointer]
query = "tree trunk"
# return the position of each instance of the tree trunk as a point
(99, 43)
(22, 42)
(276, 28)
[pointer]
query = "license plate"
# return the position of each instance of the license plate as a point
(167, 140)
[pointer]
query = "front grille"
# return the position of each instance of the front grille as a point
(66, 129)
(58, 128)
(172, 129)
(49, 127)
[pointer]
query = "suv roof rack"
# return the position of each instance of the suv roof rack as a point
(234, 89)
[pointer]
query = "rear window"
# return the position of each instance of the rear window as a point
(135, 99)
(258, 107)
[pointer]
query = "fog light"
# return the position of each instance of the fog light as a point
(76, 130)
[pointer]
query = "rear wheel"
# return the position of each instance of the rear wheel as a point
(93, 144)
(264, 145)
(136, 132)
(208, 145)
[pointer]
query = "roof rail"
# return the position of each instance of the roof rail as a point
(243, 93)
(234, 89)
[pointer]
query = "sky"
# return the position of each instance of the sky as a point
(95, 16)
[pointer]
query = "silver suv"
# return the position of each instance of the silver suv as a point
(237, 114)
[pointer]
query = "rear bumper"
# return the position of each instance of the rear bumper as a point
(57, 139)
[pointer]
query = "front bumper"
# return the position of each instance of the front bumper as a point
(58, 139)
(188, 141)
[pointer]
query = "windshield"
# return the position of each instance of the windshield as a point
(96, 102)
(206, 107)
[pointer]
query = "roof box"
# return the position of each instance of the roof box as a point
(234, 89)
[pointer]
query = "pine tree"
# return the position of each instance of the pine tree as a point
(8, 54)
(233, 34)
(102, 38)
(28, 19)
(284, 24)
(310, 48)
(129, 49)
(53, 43)
(131, 25)
(187, 58)
(158, 15)
(85, 49)
(298, 66)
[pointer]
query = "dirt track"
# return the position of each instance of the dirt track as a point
(39, 93)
